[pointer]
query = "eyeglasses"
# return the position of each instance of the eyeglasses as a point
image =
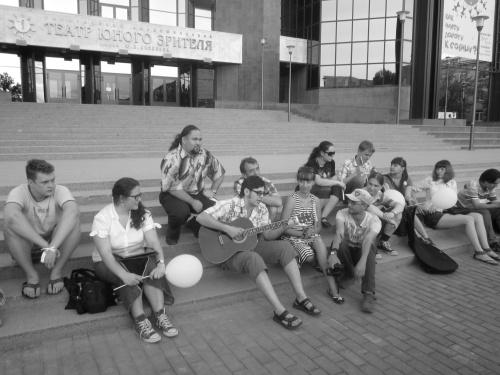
(136, 197)
(259, 193)
(330, 154)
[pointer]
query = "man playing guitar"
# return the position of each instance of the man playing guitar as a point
(248, 205)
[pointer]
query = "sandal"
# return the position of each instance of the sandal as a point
(487, 261)
(35, 287)
(306, 306)
(337, 299)
(325, 223)
(286, 322)
(52, 283)
(491, 254)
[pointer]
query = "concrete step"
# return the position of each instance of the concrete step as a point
(455, 129)
(35, 321)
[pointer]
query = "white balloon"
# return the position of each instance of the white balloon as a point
(444, 198)
(395, 195)
(184, 271)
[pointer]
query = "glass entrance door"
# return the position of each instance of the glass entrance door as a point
(63, 86)
(164, 91)
(115, 88)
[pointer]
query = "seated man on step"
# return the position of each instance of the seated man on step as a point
(353, 245)
(41, 215)
(271, 198)
(249, 205)
(183, 173)
(354, 172)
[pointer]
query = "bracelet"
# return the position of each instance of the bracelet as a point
(333, 251)
(45, 249)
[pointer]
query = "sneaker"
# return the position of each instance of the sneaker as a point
(145, 331)
(386, 247)
(173, 236)
(368, 305)
(164, 323)
(378, 256)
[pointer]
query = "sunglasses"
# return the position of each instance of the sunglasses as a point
(330, 153)
(260, 194)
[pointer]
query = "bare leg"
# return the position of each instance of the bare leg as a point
(452, 221)
(420, 228)
(293, 273)
(390, 229)
(67, 248)
(329, 206)
(480, 229)
(155, 297)
(20, 249)
(320, 250)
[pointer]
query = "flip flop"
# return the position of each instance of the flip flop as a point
(487, 261)
(52, 283)
(492, 255)
(33, 286)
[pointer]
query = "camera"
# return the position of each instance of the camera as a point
(335, 271)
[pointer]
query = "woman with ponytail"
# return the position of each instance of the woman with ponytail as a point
(327, 188)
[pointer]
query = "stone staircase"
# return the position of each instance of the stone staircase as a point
(485, 137)
(60, 131)
(39, 130)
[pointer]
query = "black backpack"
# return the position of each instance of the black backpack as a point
(87, 293)
(432, 259)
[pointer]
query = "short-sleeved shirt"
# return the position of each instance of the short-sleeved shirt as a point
(350, 167)
(430, 186)
(327, 171)
(355, 234)
(126, 241)
(380, 200)
(43, 216)
(396, 184)
(473, 190)
(231, 209)
(269, 188)
(182, 171)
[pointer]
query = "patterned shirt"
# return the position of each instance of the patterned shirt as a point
(182, 171)
(380, 200)
(355, 234)
(430, 186)
(269, 188)
(231, 209)
(350, 167)
(473, 190)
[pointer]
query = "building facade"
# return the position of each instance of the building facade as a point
(346, 57)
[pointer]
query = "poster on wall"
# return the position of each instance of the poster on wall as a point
(459, 29)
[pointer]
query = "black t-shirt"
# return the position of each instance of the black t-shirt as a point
(327, 171)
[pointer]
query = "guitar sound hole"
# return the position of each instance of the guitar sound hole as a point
(239, 239)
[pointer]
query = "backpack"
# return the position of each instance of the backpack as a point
(432, 260)
(87, 293)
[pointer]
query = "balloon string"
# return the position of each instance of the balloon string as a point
(121, 286)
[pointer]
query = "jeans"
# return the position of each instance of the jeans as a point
(349, 257)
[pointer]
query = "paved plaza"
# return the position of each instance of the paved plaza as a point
(423, 324)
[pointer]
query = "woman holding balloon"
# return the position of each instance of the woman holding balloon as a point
(121, 232)
(441, 193)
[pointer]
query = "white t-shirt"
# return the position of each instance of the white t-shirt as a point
(355, 234)
(44, 215)
(124, 241)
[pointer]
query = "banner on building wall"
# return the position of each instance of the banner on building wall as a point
(459, 29)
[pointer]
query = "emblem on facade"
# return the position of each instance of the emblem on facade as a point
(22, 26)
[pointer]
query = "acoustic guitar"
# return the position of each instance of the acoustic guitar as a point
(217, 246)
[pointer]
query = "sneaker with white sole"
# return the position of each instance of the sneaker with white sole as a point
(386, 248)
(164, 323)
(145, 331)
(378, 256)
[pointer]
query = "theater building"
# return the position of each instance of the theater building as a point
(342, 57)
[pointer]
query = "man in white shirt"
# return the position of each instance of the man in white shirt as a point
(41, 215)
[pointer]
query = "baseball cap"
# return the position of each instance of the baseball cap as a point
(360, 195)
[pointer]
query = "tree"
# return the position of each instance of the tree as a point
(7, 84)
(384, 77)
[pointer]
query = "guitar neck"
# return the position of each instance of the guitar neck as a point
(257, 230)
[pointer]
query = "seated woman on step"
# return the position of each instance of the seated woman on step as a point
(122, 230)
(305, 237)
(398, 179)
(442, 178)
(327, 188)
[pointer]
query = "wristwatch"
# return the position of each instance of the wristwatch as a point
(333, 252)
(161, 261)
(214, 191)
